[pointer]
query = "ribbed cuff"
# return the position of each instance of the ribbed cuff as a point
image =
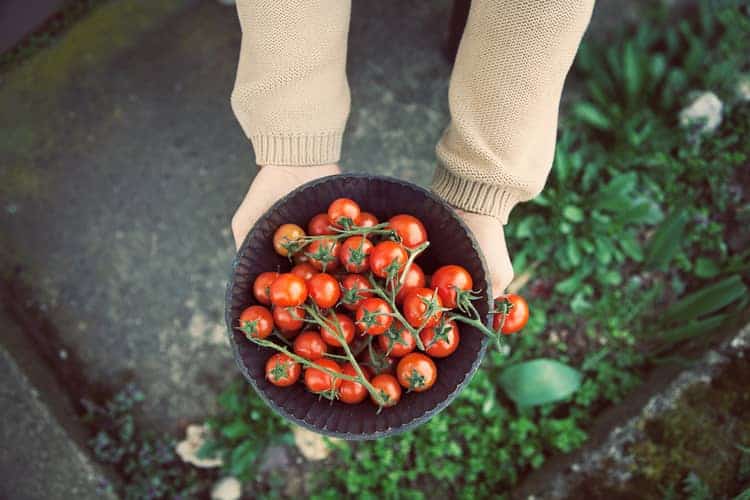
(297, 150)
(473, 196)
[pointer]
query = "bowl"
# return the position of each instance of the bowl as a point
(451, 242)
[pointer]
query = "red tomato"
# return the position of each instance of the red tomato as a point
(397, 341)
(373, 316)
(286, 239)
(323, 254)
(309, 344)
(416, 372)
(281, 370)
(414, 279)
(319, 226)
(387, 258)
(304, 270)
(262, 287)
(343, 212)
(441, 340)
(517, 316)
(324, 290)
(318, 381)
(379, 361)
(422, 308)
(354, 288)
(366, 219)
(447, 280)
(352, 392)
(409, 229)
(354, 254)
(288, 319)
(329, 333)
(257, 322)
(387, 386)
(288, 290)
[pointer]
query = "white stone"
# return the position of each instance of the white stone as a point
(226, 488)
(187, 450)
(705, 110)
(743, 88)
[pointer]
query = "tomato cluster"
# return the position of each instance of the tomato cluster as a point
(355, 314)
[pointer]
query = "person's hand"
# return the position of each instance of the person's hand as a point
(269, 185)
(489, 234)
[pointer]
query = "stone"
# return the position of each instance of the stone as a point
(226, 488)
(312, 445)
(187, 449)
(703, 112)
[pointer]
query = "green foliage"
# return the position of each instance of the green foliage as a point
(148, 465)
(539, 381)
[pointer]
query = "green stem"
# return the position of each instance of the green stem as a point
(376, 289)
(478, 325)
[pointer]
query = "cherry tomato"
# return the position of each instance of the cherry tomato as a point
(319, 226)
(373, 316)
(397, 341)
(517, 316)
(288, 319)
(310, 345)
(305, 270)
(318, 381)
(387, 258)
(343, 211)
(447, 280)
(354, 288)
(286, 239)
(329, 333)
(416, 372)
(388, 387)
(324, 290)
(262, 287)
(288, 290)
(366, 219)
(414, 279)
(378, 361)
(409, 229)
(281, 370)
(323, 254)
(422, 308)
(257, 322)
(352, 392)
(354, 254)
(441, 340)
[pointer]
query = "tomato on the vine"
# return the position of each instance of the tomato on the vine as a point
(286, 239)
(318, 381)
(448, 279)
(323, 254)
(324, 290)
(397, 340)
(388, 388)
(374, 316)
(281, 370)
(414, 279)
(352, 392)
(387, 258)
(319, 226)
(343, 212)
(304, 270)
(329, 333)
(416, 372)
(422, 308)
(409, 229)
(366, 219)
(288, 319)
(310, 345)
(441, 340)
(354, 254)
(517, 315)
(257, 322)
(354, 289)
(288, 290)
(262, 287)
(378, 361)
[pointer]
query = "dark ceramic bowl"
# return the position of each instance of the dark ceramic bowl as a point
(451, 242)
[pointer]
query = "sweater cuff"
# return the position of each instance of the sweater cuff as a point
(297, 150)
(474, 196)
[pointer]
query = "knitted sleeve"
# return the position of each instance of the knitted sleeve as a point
(291, 95)
(504, 98)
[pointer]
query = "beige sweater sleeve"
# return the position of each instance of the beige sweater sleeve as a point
(504, 98)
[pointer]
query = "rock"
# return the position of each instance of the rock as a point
(312, 446)
(742, 88)
(226, 488)
(704, 112)
(187, 450)
(275, 458)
